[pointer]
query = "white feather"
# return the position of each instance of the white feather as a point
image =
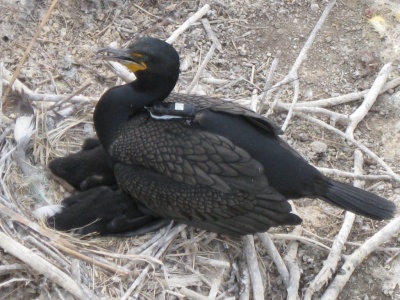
(23, 129)
(47, 211)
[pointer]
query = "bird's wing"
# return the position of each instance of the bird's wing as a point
(234, 213)
(220, 105)
(191, 156)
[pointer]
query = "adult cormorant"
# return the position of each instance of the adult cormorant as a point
(204, 161)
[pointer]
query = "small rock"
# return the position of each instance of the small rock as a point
(318, 147)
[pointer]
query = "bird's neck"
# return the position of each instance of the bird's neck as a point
(120, 103)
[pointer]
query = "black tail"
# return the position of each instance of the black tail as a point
(358, 201)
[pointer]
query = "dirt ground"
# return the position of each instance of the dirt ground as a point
(346, 57)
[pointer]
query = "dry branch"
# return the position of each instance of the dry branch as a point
(275, 256)
(198, 15)
(358, 256)
(28, 49)
(355, 143)
(254, 270)
(293, 266)
(334, 257)
(369, 99)
(42, 266)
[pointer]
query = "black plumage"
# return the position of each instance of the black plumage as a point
(222, 168)
(104, 211)
(90, 167)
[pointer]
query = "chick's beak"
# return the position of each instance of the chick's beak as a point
(132, 60)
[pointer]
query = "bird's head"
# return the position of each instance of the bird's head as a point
(150, 59)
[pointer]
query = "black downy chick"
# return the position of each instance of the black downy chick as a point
(223, 168)
(88, 168)
(100, 207)
(104, 211)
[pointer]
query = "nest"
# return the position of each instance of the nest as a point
(180, 261)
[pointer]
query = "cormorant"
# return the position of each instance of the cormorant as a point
(88, 168)
(100, 207)
(204, 161)
(104, 211)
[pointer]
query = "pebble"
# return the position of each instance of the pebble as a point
(318, 147)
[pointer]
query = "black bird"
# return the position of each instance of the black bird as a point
(104, 211)
(204, 161)
(88, 168)
(101, 207)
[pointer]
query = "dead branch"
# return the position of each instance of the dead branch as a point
(211, 34)
(201, 68)
(275, 256)
(28, 49)
(355, 143)
(254, 270)
(189, 22)
(343, 98)
(293, 266)
(369, 99)
(333, 259)
(358, 256)
(42, 266)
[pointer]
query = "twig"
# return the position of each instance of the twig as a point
(335, 172)
(333, 259)
(275, 256)
(299, 238)
(165, 243)
(292, 75)
(268, 82)
(201, 68)
(252, 262)
(42, 266)
(216, 284)
(357, 257)
(83, 87)
(354, 142)
(244, 281)
(28, 49)
(344, 98)
(211, 34)
(369, 99)
(293, 267)
(7, 269)
(294, 101)
(198, 15)
(193, 295)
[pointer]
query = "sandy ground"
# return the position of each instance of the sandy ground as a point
(345, 57)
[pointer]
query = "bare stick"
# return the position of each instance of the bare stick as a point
(42, 266)
(293, 267)
(193, 295)
(268, 81)
(83, 87)
(211, 34)
(292, 75)
(201, 68)
(165, 243)
(28, 49)
(334, 116)
(294, 101)
(252, 262)
(369, 99)
(198, 15)
(328, 171)
(358, 256)
(344, 98)
(333, 259)
(354, 142)
(275, 256)
(244, 281)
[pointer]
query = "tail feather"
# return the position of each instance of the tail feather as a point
(359, 201)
